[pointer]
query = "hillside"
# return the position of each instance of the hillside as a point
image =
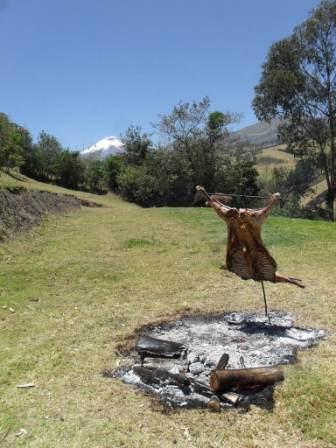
(274, 157)
(277, 157)
(73, 289)
(261, 134)
(263, 138)
(15, 179)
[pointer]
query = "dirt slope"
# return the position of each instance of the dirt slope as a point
(20, 209)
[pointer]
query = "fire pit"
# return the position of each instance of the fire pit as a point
(183, 362)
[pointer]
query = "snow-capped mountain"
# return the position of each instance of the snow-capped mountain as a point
(103, 148)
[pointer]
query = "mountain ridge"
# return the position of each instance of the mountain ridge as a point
(261, 134)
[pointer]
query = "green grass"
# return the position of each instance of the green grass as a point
(82, 283)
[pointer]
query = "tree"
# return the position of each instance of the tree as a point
(194, 133)
(298, 84)
(137, 186)
(186, 122)
(70, 169)
(217, 124)
(95, 176)
(5, 138)
(113, 167)
(137, 145)
(12, 141)
(48, 151)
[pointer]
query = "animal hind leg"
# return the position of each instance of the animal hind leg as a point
(294, 281)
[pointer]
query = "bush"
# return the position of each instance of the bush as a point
(137, 186)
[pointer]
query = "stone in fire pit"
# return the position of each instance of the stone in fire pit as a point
(174, 361)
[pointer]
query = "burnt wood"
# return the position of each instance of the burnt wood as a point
(148, 346)
(162, 377)
(223, 361)
(223, 380)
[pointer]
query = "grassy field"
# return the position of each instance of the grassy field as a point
(75, 288)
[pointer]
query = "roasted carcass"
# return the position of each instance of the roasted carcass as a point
(246, 254)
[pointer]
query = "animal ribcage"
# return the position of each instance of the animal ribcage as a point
(252, 265)
(240, 264)
(263, 267)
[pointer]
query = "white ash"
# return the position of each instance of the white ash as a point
(250, 340)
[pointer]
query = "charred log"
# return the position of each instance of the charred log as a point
(148, 346)
(222, 363)
(162, 377)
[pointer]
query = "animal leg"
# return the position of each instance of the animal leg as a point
(221, 209)
(294, 281)
(259, 215)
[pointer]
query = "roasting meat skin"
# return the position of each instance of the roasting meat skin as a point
(246, 254)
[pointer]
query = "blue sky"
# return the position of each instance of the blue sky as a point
(85, 69)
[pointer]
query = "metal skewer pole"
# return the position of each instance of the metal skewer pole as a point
(264, 294)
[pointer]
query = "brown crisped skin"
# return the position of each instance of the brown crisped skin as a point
(246, 254)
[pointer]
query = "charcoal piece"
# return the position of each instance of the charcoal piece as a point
(162, 378)
(149, 346)
(242, 362)
(201, 389)
(223, 362)
(171, 364)
(263, 398)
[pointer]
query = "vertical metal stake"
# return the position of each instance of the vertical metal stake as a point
(264, 294)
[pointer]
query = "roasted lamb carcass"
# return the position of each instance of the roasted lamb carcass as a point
(246, 254)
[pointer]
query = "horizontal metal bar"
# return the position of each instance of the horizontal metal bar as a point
(246, 196)
(239, 195)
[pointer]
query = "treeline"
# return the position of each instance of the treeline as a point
(197, 149)
(46, 160)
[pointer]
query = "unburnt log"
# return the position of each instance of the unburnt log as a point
(223, 380)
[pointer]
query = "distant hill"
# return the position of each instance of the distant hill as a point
(261, 134)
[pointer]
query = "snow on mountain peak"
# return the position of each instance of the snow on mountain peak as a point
(103, 148)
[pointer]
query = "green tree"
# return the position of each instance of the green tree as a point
(12, 140)
(95, 173)
(238, 175)
(48, 151)
(137, 145)
(113, 168)
(194, 132)
(136, 185)
(185, 122)
(217, 124)
(70, 169)
(298, 84)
